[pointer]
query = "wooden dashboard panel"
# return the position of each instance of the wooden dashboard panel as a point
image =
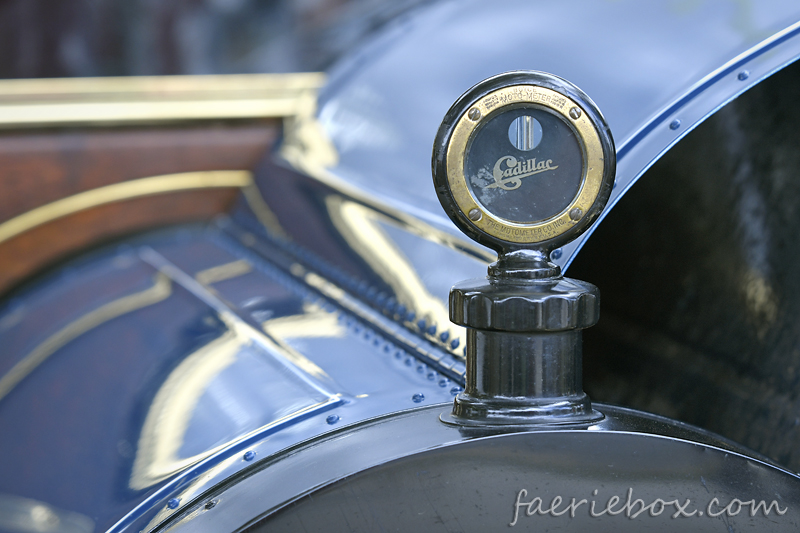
(38, 169)
(87, 160)
(41, 246)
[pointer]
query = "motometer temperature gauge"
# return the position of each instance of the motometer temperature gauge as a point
(523, 163)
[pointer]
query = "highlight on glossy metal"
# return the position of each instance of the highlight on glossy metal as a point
(525, 133)
(18, 514)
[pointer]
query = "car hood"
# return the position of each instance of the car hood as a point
(655, 69)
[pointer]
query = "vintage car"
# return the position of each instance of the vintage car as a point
(227, 299)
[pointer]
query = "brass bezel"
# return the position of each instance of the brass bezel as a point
(507, 230)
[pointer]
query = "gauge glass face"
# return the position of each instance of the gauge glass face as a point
(524, 165)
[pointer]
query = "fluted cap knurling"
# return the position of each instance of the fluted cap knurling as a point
(533, 306)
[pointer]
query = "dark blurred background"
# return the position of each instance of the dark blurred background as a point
(58, 38)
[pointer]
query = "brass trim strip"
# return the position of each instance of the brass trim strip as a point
(160, 290)
(132, 100)
(14, 116)
(161, 86)
(125, 190)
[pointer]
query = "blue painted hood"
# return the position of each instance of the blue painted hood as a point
(656, 69)
(92, 351)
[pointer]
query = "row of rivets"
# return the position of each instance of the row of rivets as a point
(387, 304)
(741, 76)
(399, 354)
(356, 326)
(311, 296)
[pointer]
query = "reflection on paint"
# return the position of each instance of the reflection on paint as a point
(238, 384)
(262, 211)
(360, 227)
(221, 392)
(160, 290)
(313, 322)
(24, 515)
(305, 144)
(171, 411)
(218, 273)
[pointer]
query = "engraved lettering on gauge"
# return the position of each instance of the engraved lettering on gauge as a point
(510, 178)
(523, 159)
(524, 165)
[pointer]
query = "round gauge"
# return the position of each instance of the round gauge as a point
(523, 160)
